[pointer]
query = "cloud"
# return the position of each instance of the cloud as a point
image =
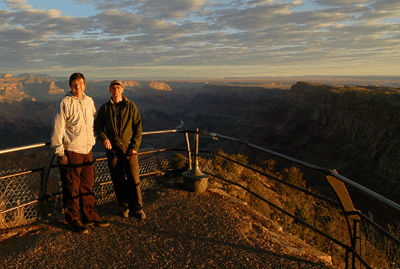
(260, 2)
(54, 13)
(173, 9)
(132, 34)
(297, 3)
(385, 9)
(17, 4)
(342, 2)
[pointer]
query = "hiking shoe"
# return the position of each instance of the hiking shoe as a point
(98, 223)
(77, 226)
(126, 213)
(139, 214)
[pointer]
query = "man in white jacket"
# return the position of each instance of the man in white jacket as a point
(73, 139)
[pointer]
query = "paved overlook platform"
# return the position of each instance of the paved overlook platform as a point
(182, 230)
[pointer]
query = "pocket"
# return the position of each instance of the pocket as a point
(74, 128)
(125, 150)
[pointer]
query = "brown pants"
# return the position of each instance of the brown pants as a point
(77, 183)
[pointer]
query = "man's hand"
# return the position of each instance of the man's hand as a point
(62, 160)
(107, 144)
(132, 152)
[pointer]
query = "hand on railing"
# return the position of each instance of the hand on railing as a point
(132, 152)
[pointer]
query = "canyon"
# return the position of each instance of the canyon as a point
(351, 128)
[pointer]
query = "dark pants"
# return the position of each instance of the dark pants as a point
(124, 170)
(77, 187)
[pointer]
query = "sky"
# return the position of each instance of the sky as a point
(178, 39)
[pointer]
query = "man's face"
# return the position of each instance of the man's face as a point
(78, 87)
(116, 91)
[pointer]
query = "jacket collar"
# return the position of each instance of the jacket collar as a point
(70, 94)
(124, 99)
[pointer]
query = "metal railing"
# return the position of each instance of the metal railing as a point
(307, 200)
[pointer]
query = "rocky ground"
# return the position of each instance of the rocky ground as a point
(182, 230)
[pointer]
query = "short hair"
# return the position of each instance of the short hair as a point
(76, 76)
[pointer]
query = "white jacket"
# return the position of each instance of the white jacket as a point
(73, 125)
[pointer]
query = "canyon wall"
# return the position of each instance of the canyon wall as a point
(354, 130)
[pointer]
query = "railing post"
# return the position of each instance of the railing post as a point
(353, 220)
(43, 208)
(356, 242)
(189, 153)
(195, 180)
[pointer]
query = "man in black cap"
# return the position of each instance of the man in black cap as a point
(118, 124)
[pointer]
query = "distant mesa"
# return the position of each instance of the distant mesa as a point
(33, 79)
(16, 89)
(39, 87)
(11, 91)
(53, 89)
(161, 86)
(130, 83)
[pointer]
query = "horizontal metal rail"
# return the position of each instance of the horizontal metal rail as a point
(379, 228)
(40, 145)
(349, 182)
(240, 141)
(366, 191)
(20, 206)
(165, 132)
(276, 179)
(334, 240)
(33, 146)
(360, 188)
(22, 173)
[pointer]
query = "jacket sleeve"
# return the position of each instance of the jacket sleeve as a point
(58, 122)
(99, 124)
(137, 130)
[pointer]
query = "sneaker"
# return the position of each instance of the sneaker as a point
(98, 223)
(77, 226)
(139, 214)
(126, 213)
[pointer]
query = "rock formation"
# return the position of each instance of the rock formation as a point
(161, 86)
(53, 89)
(11, 90)
(130, 83)
(28, 88)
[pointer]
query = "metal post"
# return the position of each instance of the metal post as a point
(195, 180)
(356, 242)
(189, 153)
(43, 210)
(353, 220)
